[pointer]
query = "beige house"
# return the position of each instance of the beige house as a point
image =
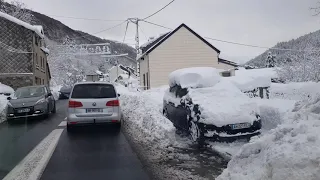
(181, 48)
(23, 54)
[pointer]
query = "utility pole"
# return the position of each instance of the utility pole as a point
(137, 46)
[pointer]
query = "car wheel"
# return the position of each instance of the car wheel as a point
(54, 108)
(165, 113)
(196, 133)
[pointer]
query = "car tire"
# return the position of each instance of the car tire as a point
(54, 108)
(196, 133)
(46, 115)
(69, 128)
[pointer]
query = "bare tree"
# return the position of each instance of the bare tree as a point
(316, 9)
(17, 9)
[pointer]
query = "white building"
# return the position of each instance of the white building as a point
(181, 48)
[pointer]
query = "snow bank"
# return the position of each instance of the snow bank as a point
(142, 114)
(36, 29)
(4, 89)
(248, 80)
(290, 151)
(295, 91)
(196, 77)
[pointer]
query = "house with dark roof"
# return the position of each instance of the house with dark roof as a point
(180, 48)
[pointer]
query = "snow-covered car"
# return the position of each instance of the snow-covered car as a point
(200, 102)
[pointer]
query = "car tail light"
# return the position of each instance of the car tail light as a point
(114, 121)
(113, 103)
(75, 104)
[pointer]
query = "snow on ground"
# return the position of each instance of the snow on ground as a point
(294, 91)
(4, 89)
(142, 113)
(55, 91)
(290, 151)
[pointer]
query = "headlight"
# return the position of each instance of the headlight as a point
(43, 100)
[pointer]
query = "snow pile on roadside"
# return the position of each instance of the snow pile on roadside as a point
(55, 91)
(4, 89)
(142, 115)
(294, 91)
(290, 151)
(273, 111)
(196, 77)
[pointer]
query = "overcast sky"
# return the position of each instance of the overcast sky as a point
(257, 22)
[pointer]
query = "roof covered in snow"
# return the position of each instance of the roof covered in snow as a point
(196, 77)
(248, 80)
(36, 29)
(228, 62)
(152, 41)
(154, 44)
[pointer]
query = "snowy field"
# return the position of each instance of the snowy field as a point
(288, 147)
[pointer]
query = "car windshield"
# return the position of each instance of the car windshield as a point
(28, 92)
(87, 91)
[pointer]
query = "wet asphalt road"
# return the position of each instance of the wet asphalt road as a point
(88, 153)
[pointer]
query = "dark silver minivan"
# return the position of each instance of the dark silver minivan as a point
(31, 101)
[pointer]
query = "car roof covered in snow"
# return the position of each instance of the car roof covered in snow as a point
(196, 77)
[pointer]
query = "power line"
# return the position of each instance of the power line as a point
(242, 44)
(88, 19)
(157, 25)
(125, 33)
(99, 31)
(158, 10)
(143, 32)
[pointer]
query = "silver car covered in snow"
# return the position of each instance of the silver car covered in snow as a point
(93, 103)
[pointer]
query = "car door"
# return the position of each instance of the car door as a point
(181, 112)
(170, 106)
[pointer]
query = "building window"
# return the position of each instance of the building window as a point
(42, 81)
(144, 81)
(147, 75)
(37, 62)
(226, 74)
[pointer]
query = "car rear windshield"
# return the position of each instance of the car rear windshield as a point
(88, 91)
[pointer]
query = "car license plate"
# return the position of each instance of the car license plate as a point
(240, 126)
(24, 110)
(94, 110)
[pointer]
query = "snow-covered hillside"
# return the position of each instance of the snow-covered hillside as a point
(56, 33)
(307, 42)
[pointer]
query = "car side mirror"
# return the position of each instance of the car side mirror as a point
(49, 94)
(118, 95)
(9, 98)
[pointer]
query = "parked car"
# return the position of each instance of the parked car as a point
(208, 108)
(64, 92)
(30, 101)
(93, 103)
